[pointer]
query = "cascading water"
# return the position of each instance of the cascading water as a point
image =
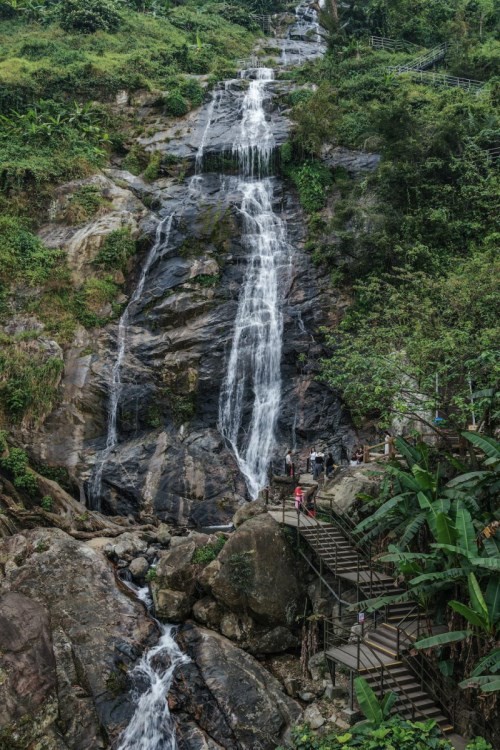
(115, 387)
(152, 727)
(253, 368)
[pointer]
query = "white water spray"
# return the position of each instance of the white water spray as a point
(115, 386)
(152, 726)
(253, 369)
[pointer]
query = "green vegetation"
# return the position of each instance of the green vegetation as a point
(16, 465)
(116, 250)
(209, 552)
(440, 521)
(414, 243)
(379, 731)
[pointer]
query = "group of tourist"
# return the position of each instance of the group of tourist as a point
(316, 464)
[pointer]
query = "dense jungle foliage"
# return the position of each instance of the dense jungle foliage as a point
(414, 245)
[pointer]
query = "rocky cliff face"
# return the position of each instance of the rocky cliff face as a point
(171, 460)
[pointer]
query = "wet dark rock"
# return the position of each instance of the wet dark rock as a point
(230, 696)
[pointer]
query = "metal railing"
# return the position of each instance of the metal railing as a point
(438, 79)
(433, 682)
(429, 58)
(394, 45)
(337, 636)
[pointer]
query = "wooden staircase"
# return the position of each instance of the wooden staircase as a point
(380, 653)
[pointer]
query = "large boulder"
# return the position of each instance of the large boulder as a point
(344, 490)
(68, 637)
(174, 584)
(28, 705)
(259, 574)
(229, 695)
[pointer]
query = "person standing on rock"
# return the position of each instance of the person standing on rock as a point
(312, 461)
(330, 465)
(289, 467)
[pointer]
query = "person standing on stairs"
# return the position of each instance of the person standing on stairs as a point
(289, 467)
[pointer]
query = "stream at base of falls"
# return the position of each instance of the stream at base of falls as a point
(152, 726)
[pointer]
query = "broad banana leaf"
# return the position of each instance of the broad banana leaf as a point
(492, 599)
(388, 702)
(443, 575)
(491, 547)
(488, 445)
(477, 599)
(488, 563)
(445, 533)
(452, 548)
(466, 533)
(411, 454)
(464, 478)
(490, 663)
(492, 686)
(368, 701)
(407, 480)
(382, 511)
(412, 530)
(443, 639)
(470, 614)
(424, 478)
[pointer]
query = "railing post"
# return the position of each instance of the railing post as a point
(398, 641)
(351, 690)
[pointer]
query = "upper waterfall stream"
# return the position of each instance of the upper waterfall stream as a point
(255, 356)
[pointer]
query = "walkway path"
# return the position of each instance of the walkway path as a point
(379, 654)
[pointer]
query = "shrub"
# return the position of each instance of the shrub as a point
(16, 464)
(23, 254)
(89, 16)
(117, 248)
(152, 171)
(191, 89)
(208, 553)
(312, 180)
(83, 204)
(176, 105)
(47, 503)
(394, 733)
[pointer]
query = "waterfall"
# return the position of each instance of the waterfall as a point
(115, 386)
(253, 368)
(152, 727)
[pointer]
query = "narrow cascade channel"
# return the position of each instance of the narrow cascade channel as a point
(253, 369)
(115, 386)
(152, 726)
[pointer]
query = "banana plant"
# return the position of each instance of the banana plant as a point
(486, 673)
(374, 710)
(482, 615)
